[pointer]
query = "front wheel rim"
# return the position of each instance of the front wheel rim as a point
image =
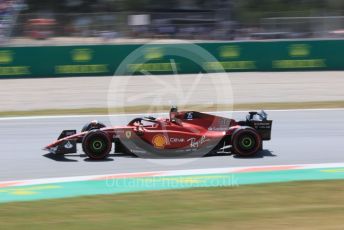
(97, 146)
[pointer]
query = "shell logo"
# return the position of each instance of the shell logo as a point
(159, 141)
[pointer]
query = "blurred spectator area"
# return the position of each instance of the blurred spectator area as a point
(108, 20)
(6, 8)
(8, 13)
(173, 19)
(180, 24)
(305, 27)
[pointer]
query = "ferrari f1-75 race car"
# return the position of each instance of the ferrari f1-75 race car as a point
(186, 133)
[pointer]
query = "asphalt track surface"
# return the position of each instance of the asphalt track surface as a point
(298, 137)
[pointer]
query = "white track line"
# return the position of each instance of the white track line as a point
(189, 172)
(141, 114)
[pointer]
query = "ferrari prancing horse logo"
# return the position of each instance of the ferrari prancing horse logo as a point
(128, 134)
(159, 141)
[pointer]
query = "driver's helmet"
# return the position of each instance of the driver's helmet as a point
(173, 113)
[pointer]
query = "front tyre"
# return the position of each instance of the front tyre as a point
(92, 125)
(246, 142)
(96, 145)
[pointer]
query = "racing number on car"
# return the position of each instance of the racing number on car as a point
(189, 116)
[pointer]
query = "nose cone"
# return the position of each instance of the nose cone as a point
(51, 146)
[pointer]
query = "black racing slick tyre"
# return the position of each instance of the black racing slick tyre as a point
(246, 142)
(96, 145)
(92, 125)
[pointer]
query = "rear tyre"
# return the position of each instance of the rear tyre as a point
(96, 145)
(246, 142)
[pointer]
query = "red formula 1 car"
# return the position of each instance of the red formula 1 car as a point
(187, 133)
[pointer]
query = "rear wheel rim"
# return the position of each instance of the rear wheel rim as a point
(247, 142)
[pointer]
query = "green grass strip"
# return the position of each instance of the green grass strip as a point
(293, 205)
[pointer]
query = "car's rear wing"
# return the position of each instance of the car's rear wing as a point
(260, 122)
